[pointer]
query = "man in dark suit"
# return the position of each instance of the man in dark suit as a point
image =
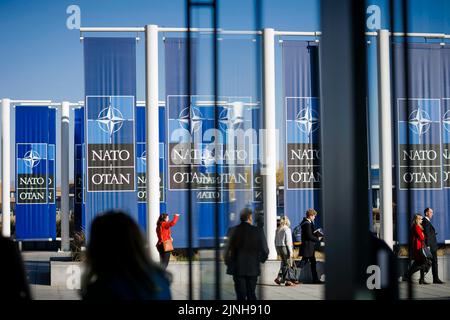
(309, 241)
(431, 241)
(245, 251)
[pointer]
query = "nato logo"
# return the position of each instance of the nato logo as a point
(419, 121)
(31, 159)
(307, 120)
(231, 117)
(446, 121)
(110, 120)
(302, 120)
(190, 117)
(143, 157)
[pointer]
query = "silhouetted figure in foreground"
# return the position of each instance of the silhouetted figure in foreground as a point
(244, 253)
(381, 255)
(117, 263)
(13, 281)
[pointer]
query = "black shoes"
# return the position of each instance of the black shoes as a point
(422, 281)
(438, 281)
(318, 282)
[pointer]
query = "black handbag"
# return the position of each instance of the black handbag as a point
(426, 252)
(292, 273)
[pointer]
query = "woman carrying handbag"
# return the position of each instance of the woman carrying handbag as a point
(165, 240)
(283, 243)
(418, 250)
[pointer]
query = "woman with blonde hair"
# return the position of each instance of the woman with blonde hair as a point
(285, 249)
(417, 243)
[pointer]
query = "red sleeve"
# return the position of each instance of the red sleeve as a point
(170, 224)
(419, 233)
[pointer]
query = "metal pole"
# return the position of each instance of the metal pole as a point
(269, 161)
(65, 121)
(256, 32)
(152, 132)
(344, 149)
(6, 168)
(385, 137)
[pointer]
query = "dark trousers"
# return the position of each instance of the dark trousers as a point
(164, 257)
(417, 266)
(245, 287)
(313, 262)
(434, 266)
(285, 262)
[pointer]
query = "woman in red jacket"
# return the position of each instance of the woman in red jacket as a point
(417, 243)
(163, 232)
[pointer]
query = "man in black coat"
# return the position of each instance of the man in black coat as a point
(245, 251)
(309, 240)
(431, 241)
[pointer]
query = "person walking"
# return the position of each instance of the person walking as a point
(431, 242)
(244, 253)
(309, 240)
(118, 266)
(285, 249)
(165, 240)
(416, 245)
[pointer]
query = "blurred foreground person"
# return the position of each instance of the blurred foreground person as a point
(285, 249)
(417, 244)
(165, 240)
(381, 255)
(13, 281)
(117, 263)
(244, 253)
(431, 242)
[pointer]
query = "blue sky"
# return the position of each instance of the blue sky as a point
(41, 59)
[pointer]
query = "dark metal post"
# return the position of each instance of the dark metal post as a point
(344, 148)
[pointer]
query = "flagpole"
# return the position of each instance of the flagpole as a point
(65, 120)
(152, 133)
(269, 155)
(385, 137)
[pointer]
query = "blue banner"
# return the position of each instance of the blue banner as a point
(208, 161)
(421, 123)
(302, 171)
(175, 70)
(141, 163)
(78, 153)
(110, 129)
(35, 173)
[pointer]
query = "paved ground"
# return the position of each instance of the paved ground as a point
(269, 292)
(38, 272)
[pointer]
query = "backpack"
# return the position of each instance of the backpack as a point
(297, 233)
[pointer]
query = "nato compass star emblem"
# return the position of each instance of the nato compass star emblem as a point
(143, 157)
(190, 116)
(446, 121)
(110, 120)
(307, 120)
(32, 159)
(419, 121)
(231, 118)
